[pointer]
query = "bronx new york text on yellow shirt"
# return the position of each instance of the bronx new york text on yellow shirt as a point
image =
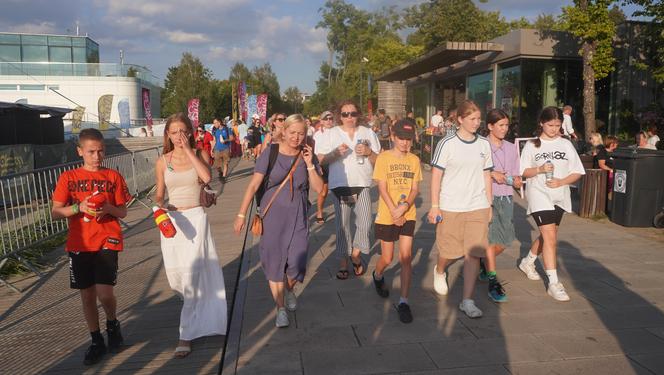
(399, 173)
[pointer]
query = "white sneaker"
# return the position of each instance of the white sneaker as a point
(468, 307)
(439, 281)
(282, 318)
(529, 270)
(557, 291)
(291, 300)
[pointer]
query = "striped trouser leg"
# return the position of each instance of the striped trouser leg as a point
(362, 211)
(342, 224)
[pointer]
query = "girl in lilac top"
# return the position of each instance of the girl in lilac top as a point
(505, 176)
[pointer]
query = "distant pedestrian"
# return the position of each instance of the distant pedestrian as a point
(284, 243)
(350, 151)
(653, 138)
(397, 174)
(204, 140)
(382, 125)
(461, 203)
(223, 137)
(567, 126)
(642, 141)
(437, 121)
(326, 124)
(451, 123)
(505, 177)
(550, 165)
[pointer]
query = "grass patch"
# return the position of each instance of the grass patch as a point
(33, 255)
(599, 217)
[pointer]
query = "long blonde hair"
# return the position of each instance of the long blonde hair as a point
(178, 117)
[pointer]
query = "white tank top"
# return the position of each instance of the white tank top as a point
(182, 188)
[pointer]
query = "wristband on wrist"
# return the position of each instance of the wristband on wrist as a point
(311, 168)
(241, 216)
(75, 209)
(435, 206)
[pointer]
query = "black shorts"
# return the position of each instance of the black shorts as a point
(391, 233)
(326, 173)
(554, 216)
(87, 268)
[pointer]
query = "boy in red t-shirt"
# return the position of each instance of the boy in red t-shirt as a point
(93, 246)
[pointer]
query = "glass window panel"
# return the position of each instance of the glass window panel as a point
(32, 87)
(92, 54)
(63, 41)
(79, 55)
(7, 87)
(10, 39)
(34, 39)
(480, 90)
(59, 54)
(508, 87)
(10, 53)
(35, 53)
(78, 41)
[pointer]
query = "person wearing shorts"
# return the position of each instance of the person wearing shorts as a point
(222, 148)
(94, 238)
(505, 177)
(397, 174)
(550, 165)
(460, 203)
(326, 123)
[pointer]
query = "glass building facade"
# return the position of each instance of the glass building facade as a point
(47, 48)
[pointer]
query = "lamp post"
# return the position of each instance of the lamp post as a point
(362, 62)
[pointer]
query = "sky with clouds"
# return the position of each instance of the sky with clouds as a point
(155, 33)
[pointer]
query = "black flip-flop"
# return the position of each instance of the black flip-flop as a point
(356, 267)
(320, 220)
(342, 274)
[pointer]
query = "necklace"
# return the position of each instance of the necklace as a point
(169, 164)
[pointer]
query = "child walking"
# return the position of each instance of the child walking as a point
(505, 177)
(461, 203)
(94, 241)
(397, 174)
(550, 165)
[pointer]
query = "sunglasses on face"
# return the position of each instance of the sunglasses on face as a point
(350, 114)
(328, 118)
(280, 119)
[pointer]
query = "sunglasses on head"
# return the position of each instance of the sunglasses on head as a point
(281, 119)
(350, 114)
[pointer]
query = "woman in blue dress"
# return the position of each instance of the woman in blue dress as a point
(283, 245)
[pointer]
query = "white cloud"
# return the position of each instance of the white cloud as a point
(180, 36)
(35, 28)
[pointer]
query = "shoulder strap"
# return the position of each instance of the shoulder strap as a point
(274, 154)
(283, 183)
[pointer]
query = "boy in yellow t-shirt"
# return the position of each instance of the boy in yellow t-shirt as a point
(397, 173)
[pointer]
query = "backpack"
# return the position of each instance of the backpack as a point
(274, 153)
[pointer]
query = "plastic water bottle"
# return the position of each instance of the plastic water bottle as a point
(509, 180)
(549, 174)
(439, 218)
(164, 222)
(360, 159)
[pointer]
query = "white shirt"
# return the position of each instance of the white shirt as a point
(346, 171)
(566, 161)
(653, 141)
(462, 188)
(242, 131)
(568, 129)
(437, 121)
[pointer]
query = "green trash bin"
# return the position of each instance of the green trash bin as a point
(638, 186)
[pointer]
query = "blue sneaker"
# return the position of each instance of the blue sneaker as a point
(496, 292)
(483, 276)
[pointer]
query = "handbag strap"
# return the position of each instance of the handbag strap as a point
(283, 183)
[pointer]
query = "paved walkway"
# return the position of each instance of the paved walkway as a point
(613, 325)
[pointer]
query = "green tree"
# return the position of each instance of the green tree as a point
(548, 22)
(189, 79)
(653, 37)
(590, 23)
(293, 100)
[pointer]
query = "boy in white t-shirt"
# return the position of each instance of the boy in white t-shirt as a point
(461, 203)
(550, 165)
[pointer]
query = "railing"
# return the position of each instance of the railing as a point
(25, 206)
(79, 70)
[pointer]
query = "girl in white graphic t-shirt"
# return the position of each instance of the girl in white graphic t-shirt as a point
(550, 165)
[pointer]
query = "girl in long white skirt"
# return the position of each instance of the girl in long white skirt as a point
(190, 258)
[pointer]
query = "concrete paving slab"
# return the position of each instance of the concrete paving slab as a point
(580, 344)
(612, 365)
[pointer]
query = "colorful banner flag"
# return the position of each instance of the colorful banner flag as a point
(234, 102)
(104, 106)
(192, 111)
(147, 109)
(123, 111)
(261, 107)
(76, 119)
(252, 108)
(242, 100)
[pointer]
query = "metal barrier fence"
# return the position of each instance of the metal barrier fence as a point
(25, 206)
